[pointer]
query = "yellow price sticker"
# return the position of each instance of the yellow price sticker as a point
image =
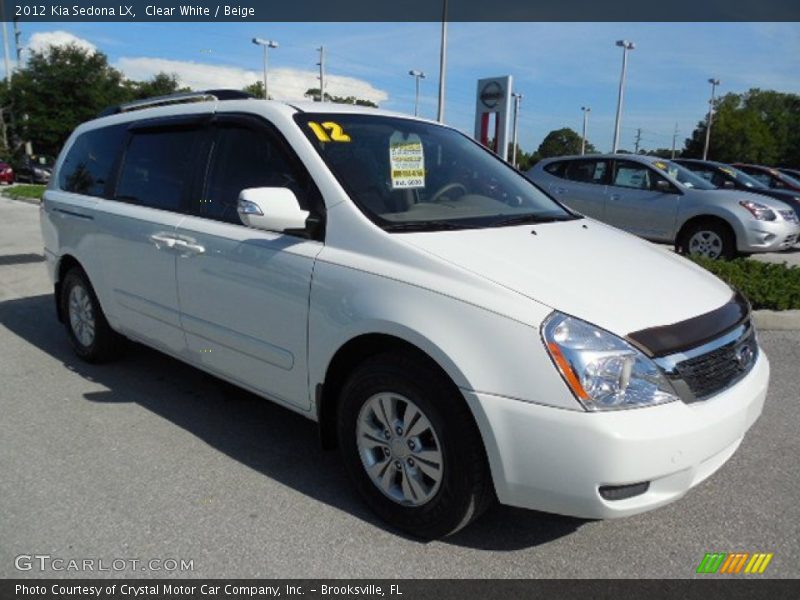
(329, 132)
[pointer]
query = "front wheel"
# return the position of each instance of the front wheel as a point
(420, 471)
(708, 239)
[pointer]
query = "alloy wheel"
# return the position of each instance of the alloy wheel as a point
(399, 449)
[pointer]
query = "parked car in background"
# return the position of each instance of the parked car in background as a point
(6, 173)
(36, 168)
(772, 178)
(793, 173)
(379, 274)
(662, 201)
(728, 177)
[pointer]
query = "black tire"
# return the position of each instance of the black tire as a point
(710, 229)
(465, 489)
(105, 344)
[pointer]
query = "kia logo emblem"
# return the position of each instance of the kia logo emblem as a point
(744, 356)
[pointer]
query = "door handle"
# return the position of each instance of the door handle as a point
(162, 241)
(615, 196)
(560, 190)
(187, 248)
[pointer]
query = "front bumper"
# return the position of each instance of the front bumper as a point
(555, 460)
(769, 236)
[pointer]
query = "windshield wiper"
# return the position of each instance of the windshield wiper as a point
(424, 226)
(523, 219)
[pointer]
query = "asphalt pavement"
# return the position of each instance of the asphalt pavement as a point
(147, 458)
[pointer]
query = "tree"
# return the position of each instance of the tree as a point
(662, 153)
(758, 126)
(561, 142)
(255, 89)
(524, 160)
(59, 88)
(314, 93)
(162, 84)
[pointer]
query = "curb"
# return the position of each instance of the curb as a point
(777, 320)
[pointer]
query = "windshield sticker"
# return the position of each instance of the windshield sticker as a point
(329, 132)
(406, 161)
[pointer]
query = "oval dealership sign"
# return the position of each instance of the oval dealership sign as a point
(491, 94)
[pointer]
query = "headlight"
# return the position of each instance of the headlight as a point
(603, 371)
(759, 211)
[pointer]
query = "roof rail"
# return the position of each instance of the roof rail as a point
(179, 98)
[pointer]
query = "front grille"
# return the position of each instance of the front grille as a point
(788, 215)
(718, 369)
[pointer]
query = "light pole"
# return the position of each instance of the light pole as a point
(586, 110)
(442, 63)
(517, 99)
(626, 46)
(417, 75)
(267, 44)
(714, 83)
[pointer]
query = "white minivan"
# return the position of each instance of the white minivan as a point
(457, 333)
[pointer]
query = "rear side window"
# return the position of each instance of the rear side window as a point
(87, 167)
(157, 168)
(587, 171)
(556, 168)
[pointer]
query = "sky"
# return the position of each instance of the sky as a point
(558, 67)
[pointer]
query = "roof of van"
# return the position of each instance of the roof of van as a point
(180, 102)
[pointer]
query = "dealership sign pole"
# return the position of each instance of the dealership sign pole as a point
(493, 98)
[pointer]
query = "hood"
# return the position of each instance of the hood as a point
(765, 197)
(586, 269)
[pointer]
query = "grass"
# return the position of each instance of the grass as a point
(765, 285)
(27, 191)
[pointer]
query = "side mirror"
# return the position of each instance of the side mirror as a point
(271, 209)
(728, 185)
(664, 186)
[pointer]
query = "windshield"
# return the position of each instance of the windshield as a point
(683, 175)
(743, 177)
(407, 175)
(793, 181)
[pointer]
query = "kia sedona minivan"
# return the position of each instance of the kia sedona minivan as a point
(458, 334)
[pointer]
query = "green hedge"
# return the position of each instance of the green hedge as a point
(766, 285)
(25, 191)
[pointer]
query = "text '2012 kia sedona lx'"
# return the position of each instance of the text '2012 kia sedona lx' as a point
(458, 334)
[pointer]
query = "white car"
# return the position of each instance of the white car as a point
(456, 332)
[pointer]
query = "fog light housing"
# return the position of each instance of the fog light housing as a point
(623, 492)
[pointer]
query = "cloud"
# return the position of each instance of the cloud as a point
(41, 41)
(284, 83)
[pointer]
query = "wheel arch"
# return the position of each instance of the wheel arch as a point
(706, 218)
(348, 356)
(65, 263)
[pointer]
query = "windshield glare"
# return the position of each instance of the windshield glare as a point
(406, 175)
(683, 175)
